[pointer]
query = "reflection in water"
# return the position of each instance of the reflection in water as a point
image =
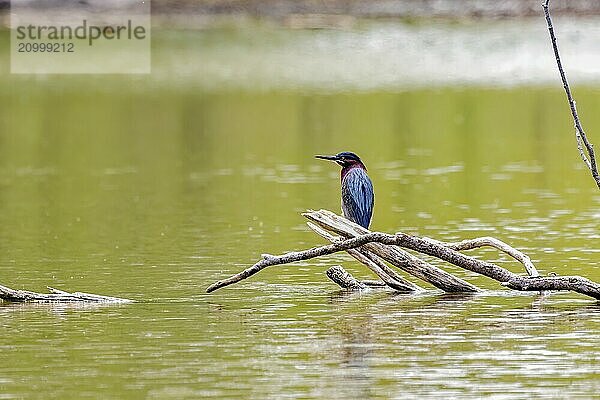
(359, 335)
(56, 309)
(355, 359)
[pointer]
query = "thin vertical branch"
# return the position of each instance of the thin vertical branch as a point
(579, 133)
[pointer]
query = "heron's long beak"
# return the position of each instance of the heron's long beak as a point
(330, 158)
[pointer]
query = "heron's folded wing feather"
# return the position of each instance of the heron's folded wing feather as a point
(357, 197)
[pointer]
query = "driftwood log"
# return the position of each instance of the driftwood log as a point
(55, 296)
(371, 248)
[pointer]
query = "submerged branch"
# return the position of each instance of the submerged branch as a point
(55, 296)
(574, 283)
(344, 279)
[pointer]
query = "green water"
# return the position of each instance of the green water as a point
(115, 185)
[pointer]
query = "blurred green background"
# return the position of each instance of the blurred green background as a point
(151, 187)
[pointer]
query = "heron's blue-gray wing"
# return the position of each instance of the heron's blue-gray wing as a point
(357, 197)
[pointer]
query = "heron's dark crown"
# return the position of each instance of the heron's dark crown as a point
(347, 159)
(347, 155)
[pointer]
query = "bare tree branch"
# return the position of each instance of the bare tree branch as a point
(270, 260)
(579, 132)
(424, 246)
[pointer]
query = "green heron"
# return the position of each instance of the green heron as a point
(357, 188)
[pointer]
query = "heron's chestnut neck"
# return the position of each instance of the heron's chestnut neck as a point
(347, 168)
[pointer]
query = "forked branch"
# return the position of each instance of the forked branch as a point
(423, 246)
(470, 244)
